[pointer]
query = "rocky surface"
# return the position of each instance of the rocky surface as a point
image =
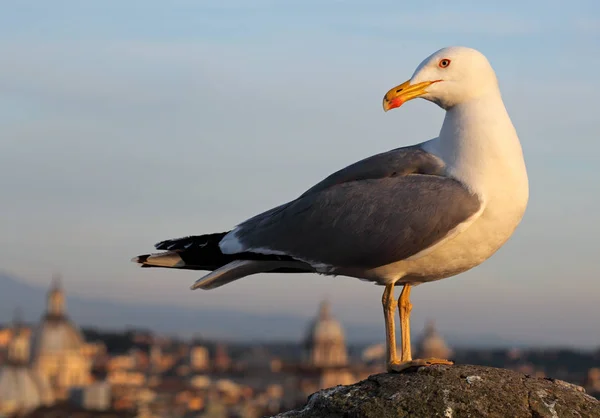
(451, 392)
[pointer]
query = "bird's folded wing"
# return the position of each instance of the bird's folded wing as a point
(395, 163)
(364, 220)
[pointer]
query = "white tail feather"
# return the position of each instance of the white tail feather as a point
(166, 259)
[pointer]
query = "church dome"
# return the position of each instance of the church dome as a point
(432, 344)
(325, 342)
(56, 336)
(324, 328)
(56, 333)
(58, 351)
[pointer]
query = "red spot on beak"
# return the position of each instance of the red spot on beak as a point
(395, 102)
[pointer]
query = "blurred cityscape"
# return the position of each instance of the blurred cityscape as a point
(56, 369)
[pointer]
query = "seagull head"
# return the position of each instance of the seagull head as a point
(448, 77)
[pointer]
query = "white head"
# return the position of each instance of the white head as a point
(448, 77)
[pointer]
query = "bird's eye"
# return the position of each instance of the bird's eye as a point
(444, 62)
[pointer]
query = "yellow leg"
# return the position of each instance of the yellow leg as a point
(389, 310)
(405, 309)
(406, 360)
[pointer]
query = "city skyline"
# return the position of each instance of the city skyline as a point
(55, 366)
(127, 124)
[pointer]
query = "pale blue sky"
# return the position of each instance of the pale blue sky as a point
(125, 123)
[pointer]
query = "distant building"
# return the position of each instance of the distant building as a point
(325, 360)
(325, 342)
(221, 361)
(375, 354)
(592, 381)
(21, 388)
(431, 344)
(96, 397)
(199, 358)
(59, 351)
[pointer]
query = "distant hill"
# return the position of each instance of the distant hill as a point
(207, 322)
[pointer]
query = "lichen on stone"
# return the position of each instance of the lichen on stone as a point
(451, 392)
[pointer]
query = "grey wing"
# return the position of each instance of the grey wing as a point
(363, 224)
(394, 163)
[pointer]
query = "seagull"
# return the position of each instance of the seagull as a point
(408, 216)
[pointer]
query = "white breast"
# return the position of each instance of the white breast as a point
(480, 147)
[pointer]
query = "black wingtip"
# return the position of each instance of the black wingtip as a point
(189, 242)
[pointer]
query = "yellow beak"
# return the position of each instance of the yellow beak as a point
(401, 94)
